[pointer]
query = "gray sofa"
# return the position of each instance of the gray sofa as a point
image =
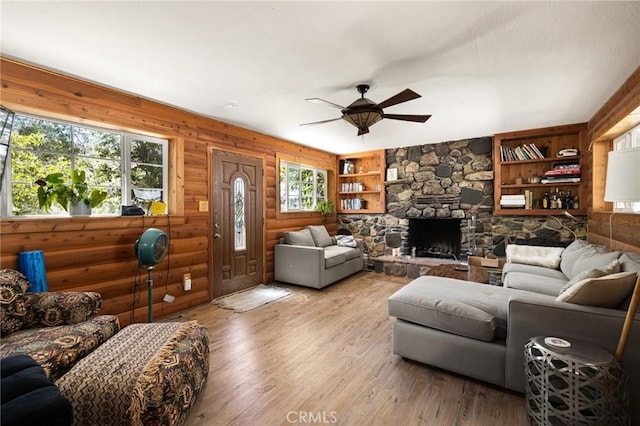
(311, 257)
(480, 330)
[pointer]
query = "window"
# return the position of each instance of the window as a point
(131, 168)
(630, 139)
(301, 187)
(240, 241)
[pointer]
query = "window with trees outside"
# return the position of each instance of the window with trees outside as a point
(301, 187)
(131, 168)
(630, 139)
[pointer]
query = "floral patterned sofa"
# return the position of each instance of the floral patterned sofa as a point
(56, 329)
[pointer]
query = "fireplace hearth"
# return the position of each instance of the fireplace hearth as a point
(439, 238)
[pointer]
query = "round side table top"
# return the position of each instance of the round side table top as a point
(578, 351)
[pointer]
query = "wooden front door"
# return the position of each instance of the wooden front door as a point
(238, 222)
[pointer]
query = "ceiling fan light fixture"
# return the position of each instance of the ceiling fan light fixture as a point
(364, 113)
(363, 119)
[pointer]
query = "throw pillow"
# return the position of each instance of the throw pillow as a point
(15, 310)
(346, 241)
(548, 257)
(299, 238)
(608, 291)
(611, 268)
(320, 235)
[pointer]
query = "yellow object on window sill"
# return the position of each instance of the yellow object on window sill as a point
(156, 208)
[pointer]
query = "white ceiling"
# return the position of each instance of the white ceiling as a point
(481, 67)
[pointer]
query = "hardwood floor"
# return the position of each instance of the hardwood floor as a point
(324, 357)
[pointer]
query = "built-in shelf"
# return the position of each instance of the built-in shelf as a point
(366, 169)
(511, 176)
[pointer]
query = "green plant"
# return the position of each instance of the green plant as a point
(325, 207)
(53, 188)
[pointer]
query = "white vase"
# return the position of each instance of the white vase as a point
(80, 209)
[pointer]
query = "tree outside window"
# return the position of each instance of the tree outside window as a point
(116, 162)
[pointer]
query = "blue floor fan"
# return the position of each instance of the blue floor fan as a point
(151, 248)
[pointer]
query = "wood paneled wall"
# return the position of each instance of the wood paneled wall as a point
(617, 115)
(96, 253)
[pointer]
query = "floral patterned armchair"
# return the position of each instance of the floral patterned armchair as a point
(56, 329)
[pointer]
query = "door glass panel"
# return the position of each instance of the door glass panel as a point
(240, 241)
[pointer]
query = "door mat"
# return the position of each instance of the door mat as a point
(252, 298)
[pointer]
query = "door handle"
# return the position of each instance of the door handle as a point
(216, 235)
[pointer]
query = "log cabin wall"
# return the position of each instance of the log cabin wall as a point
(97, 253)
(621, 112)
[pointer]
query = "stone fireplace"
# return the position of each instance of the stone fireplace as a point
(448, 181)
(438, 238)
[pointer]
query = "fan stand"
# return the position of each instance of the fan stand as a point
(149, 294)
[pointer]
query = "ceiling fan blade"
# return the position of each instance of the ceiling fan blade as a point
(404, 96)
(321, 122)
(363, 131)
(407, 117)
(318, 101)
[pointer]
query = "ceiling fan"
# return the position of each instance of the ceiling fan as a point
(364, 113)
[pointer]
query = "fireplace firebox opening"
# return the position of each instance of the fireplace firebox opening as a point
(439, 238)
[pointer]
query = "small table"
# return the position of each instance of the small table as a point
(575, 384)
(478, 274)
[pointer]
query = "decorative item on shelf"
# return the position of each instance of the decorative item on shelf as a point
(392, 174)
(568, 152)
(348, 167)
(623, 185)
(31, 264)
(74, 196)
(151, 248)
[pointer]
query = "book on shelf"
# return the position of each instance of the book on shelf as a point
(528, 199)
(520, 153)
(513, 200)
(563, 179)
(561, 172)
(536, 150)
(561, 166)
(352, 204)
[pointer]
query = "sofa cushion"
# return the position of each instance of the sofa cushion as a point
(461, 307)
(630, 262)
(320, 235)
(581, 256)
(593, 260)
(571, 254)
(534, 283)
(608, 291)
(58, 348)
(299, 238)
(548, 257)
(335, 255)
(611, 268)
(534, 270)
